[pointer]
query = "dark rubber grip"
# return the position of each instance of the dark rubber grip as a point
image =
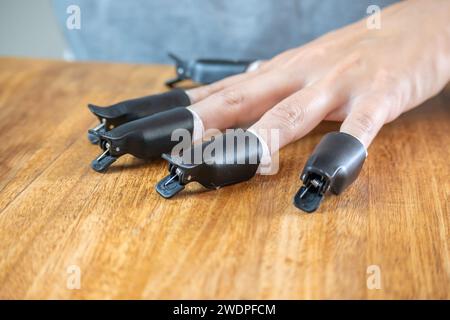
(133, 109)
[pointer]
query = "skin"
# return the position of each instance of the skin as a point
(360, 76)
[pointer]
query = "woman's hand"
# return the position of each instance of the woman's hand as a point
(360, 76)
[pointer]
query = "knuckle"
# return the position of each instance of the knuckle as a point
(289, 115)
(231, 97)
(365, 121)
(384, 79)
(388, 85)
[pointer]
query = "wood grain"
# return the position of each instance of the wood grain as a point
(241, 242)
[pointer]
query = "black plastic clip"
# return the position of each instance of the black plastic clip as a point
(146, 138)
(205, 71)
(236, 164)
(129, 110)
(334, 164)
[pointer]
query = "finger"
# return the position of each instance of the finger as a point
(367, 116)
(278, 59)
(247, 101)
(296, 115)
(200, 93)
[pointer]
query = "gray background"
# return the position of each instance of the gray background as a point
(145, 31)
(29, 28)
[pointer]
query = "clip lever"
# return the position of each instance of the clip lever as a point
(171, 184)
(94, 133)
(103, 161)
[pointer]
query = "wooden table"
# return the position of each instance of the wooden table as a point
(60, 219)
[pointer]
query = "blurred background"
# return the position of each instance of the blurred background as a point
(143, 31)
(30, 29)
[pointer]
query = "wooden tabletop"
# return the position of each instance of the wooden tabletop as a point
(61, 222)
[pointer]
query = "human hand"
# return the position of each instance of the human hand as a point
(363, 77)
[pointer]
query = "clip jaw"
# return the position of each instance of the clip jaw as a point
(114, 146)
(311, 194)
(103, 161)
(333, 166)
(179, 176)
(106, 116)
(94, 133)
